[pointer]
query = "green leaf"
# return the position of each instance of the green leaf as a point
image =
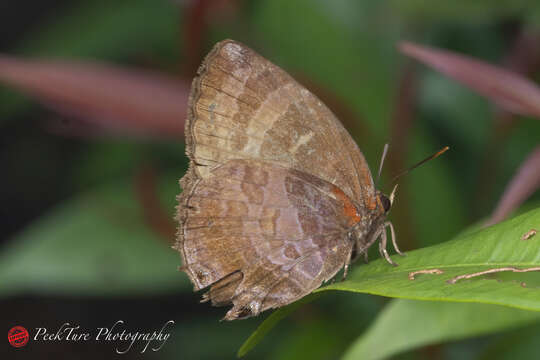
(472, 251)
(95, 244)
(408, 324)
(496, 246)
(270, 322)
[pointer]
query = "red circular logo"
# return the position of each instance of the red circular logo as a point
(18, 336)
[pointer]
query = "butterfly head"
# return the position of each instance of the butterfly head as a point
(386, 201)
(367, 232)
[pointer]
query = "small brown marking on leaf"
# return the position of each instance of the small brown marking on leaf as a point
(412, 274)
(491, 271)
(529, 234)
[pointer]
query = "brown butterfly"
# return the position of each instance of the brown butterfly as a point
(278, 197)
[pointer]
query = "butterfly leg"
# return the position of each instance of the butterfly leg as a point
(382, 247)
(347, 263)
(345, 270)
(363, 248)
(393, 234)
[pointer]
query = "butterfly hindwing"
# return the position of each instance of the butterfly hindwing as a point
(262, 235)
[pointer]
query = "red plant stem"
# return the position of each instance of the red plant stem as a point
(154, 214)
(523, 58)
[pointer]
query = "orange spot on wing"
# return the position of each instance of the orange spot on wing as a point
(371, 203)
(349, 210)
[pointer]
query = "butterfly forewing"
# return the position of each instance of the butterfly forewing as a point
(244, 107)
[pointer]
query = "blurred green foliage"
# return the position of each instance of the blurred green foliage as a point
(100, 30)
(411, 324)
(96, 243)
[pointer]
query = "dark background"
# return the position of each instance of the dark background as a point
(61, 261)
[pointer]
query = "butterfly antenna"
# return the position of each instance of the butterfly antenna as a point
(431, 157)
(385, 150)
(393, 194)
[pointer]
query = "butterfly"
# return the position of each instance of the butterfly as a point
(278, 198)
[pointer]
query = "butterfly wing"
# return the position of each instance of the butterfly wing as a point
(266, 202)
(262, 235)
(244, 107)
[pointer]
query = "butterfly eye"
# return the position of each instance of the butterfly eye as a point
(385, 202)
